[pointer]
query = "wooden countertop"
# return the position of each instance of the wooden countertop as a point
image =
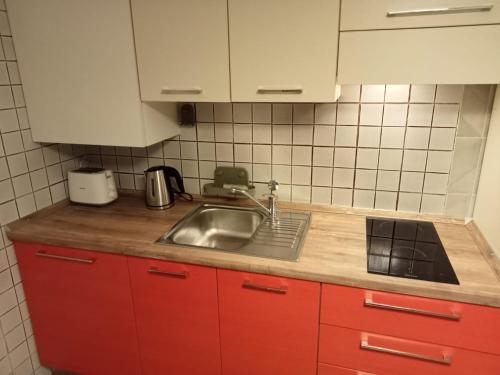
(334, 249)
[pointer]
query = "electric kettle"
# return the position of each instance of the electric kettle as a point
(162, 184)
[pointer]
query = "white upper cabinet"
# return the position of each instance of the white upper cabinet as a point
(182, 50)
(78, 67)
(399, 14)
(419, 41)
(283, 50)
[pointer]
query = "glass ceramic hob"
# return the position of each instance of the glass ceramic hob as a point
(407, 248)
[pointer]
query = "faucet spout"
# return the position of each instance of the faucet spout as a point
(245, 193)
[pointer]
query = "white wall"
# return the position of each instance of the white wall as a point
(487, 211)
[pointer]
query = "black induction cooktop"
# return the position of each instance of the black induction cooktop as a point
(407, 248)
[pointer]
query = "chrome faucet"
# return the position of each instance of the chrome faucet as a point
(272, 210)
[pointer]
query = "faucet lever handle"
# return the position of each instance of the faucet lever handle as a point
(273, 185)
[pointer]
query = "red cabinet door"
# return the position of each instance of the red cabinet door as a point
(177, 317)
(269, 325)
(81, 309)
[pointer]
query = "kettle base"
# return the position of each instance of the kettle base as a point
(165, 207)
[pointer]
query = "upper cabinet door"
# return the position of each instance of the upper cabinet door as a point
(182, 50)
(283, 50)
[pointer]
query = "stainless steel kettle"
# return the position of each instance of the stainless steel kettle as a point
(159, 193)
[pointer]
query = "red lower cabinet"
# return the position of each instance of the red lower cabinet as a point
(386, 355)
(177, 317)
(81, 309)
(269, 325)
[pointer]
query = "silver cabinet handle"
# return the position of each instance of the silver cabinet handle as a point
(249, 285)
(180, 275)
(445, 360)
(444, 10)
(452, 316)
(279, 90)
(44, 254)
(181, 90)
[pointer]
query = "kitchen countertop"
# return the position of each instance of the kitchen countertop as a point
(334, 250)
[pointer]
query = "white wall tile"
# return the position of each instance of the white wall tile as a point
(435, 183)
(367, 158)
(303, 113)
(364, 198)
(282, 134)
(342, 197)
(6, 98)
(439, 161)
(8, 120)
(390, 159)
(206, 132)
(223, 132)
(409, 202)
(205, 112)
(422, 93)
(386, 200)
(397, 93)
(388, 180)
(369, 136)
(414, 160)
(282, 173)
(324, 135)
(346, 136)
(350, 93)
(262, 154)
(371, 114)
(301, 176)
(262, 172)
(243, 133)
(365, 179)
(345, 157)
(301, 194)
(224, 151)
(189, 150)
(22, 185)
(343, 177)
(301, 155)
(411, 182)
(323, 156)
(17, 164)
(322, 177)
(449, 93)
(321, 195)
(26, 205)
(282, 114)
(206, 151)
(445, 115)
(303, 134)
(282, 155)
(395, 114)
(372, 93)
(223, 112)
(348, 114)
(417, 138)
(392, 137)
(242, 153)
(262, 114)
(325, 114)
(242, 113)
(442, 139)
(262, 133)
(433, 204)
(420, 114)
(190, 168)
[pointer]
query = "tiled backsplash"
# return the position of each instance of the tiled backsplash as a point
(32, 176)
(397, 147)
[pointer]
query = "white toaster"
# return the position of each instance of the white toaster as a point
(95, 186)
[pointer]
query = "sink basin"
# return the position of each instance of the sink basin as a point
(219, 227)
(242, 230)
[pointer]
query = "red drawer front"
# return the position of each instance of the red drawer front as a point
(394, 356)
(269, 325)
(177, 317)
(442, 322)
(324, 369)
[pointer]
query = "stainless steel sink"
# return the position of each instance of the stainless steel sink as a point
(241, 230)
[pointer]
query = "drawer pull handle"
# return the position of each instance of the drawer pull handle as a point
(44, 254)
(249, 285)
(445, 10)
(279, 90)
(180, 275)
(445, 360)
(370, 303)
(181, 90)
